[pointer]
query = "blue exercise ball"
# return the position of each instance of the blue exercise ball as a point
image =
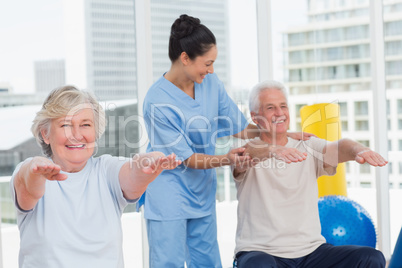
(345, 222)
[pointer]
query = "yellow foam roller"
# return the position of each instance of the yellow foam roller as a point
(323, 120)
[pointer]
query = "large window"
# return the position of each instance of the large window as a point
(320, 50)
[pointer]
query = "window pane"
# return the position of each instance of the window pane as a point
(361, 108)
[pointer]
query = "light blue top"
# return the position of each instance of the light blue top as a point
(177, 123)
(77, 223)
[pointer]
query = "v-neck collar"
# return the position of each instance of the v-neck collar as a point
(181, 94)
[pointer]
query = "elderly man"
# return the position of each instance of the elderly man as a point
(278, 220)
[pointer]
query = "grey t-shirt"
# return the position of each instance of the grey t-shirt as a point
(278, 204)
(77, 223)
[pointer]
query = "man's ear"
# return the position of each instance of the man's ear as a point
(254, 117)
(185, 59)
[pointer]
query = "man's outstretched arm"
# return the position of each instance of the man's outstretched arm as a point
(348, 150)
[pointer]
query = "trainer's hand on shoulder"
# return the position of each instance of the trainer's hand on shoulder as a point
(300, 135)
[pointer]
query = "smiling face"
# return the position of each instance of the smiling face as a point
(273, 114)
(197, 69)
(72, 139)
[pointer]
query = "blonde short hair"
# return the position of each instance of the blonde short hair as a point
(62, 102)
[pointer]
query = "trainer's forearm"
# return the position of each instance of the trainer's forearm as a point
(204, 161)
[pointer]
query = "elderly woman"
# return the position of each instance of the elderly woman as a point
(70, 203)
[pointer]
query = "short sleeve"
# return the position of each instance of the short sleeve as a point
(315, 148)
(231, 119)
(166, 134)
(12, 189)
(111, 166)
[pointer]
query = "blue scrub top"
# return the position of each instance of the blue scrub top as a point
(177, 123)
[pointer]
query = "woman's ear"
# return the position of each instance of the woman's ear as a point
(185, 59)
(44, 136)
